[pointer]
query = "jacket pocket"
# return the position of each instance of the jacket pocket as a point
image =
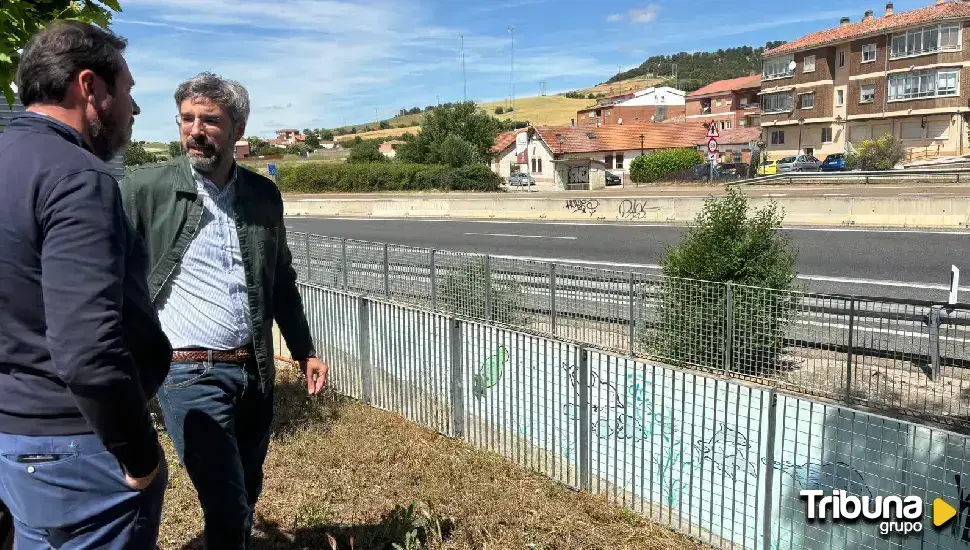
(182, 375)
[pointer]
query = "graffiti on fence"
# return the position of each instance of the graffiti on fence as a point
(632, 209)
(584, 206)
(826, 476)
(963, 512)
(729, 451)
(490, 372)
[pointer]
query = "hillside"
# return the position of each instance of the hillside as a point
(698, 69)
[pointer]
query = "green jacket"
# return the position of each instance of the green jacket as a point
(164, 205)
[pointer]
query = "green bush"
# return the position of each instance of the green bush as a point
(882, 153)
(456, 152)
(654, 165)
(332, 177)
(365, 152)
(463, 293)
(499, 110)
(724, 245)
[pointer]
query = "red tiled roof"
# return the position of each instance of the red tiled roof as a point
(503, 140)
(625, 137)
(947, 10)
(723, 86)
(735, 136)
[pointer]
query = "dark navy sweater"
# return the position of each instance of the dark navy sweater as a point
(81, 348)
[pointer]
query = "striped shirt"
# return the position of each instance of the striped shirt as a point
(205, 302)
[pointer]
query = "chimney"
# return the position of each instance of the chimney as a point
(572, 122)
(867, 16)
(938, 2)
(889, 8)
(844, 21)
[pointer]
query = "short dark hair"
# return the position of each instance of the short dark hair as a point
(57, 53)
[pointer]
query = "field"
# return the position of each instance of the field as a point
(392, 133)
(340, 468)
(638, 83)
(259, 165)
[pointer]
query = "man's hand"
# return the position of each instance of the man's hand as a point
(140, 483)
(315, 371)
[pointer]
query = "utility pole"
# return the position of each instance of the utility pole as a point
(377, 118)
(464, 80)
(512, 72)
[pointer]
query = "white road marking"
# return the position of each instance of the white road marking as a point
(522, 236)
(775, 195)
(835, 194)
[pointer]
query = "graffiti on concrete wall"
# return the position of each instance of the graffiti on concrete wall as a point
(490, 372)
(632, 209)
(578, 174)
(825, 476)
(963, 512)
(729, 451)
(583, 206)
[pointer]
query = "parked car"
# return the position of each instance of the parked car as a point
(521, 179)
(613, 179)
(801, 163)
(768, 168)
(834, 163)
(721, 171)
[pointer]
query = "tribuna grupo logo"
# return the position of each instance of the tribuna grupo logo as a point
(895, 514)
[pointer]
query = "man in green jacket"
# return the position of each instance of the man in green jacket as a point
(220, 275)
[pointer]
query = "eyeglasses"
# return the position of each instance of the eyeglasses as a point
(188, 121)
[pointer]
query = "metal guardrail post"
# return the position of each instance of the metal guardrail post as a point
(769, 462)
(848, 352)
(387, 274)
(363, 349)
(308, 279)
(552, 298)
(488, 288)
(433, 273)
(935, 312)
(343, 259)
(632, 330)
(728, 327)
(457, 378)
(584, 422)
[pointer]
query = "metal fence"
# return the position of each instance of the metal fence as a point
(719, 460)
(908, 357)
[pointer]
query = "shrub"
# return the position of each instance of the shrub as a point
(654, 165)
(365, 152)
(457, 152)
(723, 246)
(463, 294)
(327, 177)
(499, 110)
(882, 153)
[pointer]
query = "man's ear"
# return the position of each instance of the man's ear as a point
(86, 85)
(240, 131)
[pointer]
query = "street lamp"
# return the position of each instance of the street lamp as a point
(801, 124)
(641, 145)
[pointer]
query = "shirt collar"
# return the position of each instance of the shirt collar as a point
(203, 181)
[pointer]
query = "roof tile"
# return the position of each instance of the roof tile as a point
(722, 86)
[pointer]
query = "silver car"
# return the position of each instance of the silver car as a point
(801, 163)
(521, 179)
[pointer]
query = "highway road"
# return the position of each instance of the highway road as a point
(890, 263)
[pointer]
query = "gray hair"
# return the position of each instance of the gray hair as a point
(228, 94)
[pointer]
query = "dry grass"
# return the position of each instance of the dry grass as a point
(391, 133)
(543, 110)
(633, 84)
(341, 468)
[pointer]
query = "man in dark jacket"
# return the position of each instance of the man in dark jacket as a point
(81, 350)
(221, 274)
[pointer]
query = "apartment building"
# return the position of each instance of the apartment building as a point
(732, 103)
(654, 104)
(900, 74)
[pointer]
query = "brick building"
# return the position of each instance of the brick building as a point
(654, 104)
(732, 103)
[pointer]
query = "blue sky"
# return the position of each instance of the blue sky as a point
(326, 63)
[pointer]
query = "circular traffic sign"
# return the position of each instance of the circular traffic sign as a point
(712, 145)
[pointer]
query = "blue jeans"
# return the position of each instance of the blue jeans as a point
(220, 421)
(76, 496)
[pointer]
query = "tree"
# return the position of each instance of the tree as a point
(312, 141)
(384, 125)
(499, 110)
(174, 149)
(256, 144)
(882, 153)
(307, 131)
(22, 19)
(326, 135)
(456, 152)
(135, 154)
(463, 120)
(366, 151)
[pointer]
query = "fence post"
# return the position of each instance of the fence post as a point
(552, 298)
(343, 255)
(434, 283)
(935, 312)
(769, 462)
(848, 351)
(363, 349)
(387, 274)
(584, 422)
(457, 378)
(728, 327)
(308, 279)
(632, 314)
(488, 288)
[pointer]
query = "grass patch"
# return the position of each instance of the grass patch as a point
(339, 471)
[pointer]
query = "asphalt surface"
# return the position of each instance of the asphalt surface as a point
(886, 263)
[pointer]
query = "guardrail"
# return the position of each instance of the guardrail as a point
(904, 356)
(930, 175)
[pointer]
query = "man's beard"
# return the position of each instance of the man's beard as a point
(210, 158)
(108, 138)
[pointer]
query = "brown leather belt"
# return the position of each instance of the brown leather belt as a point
(238, 355)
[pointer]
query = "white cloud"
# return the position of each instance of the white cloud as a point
(636, 15)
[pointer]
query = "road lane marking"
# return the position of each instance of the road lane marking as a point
(521, 236)
(835, 194)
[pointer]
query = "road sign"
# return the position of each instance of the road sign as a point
(713, 157)
(712, 145)
(712, 130)
(271, 168)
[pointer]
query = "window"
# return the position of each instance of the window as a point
(808, 100)
(728, 124)
(533, 166)
(867, 93)
(926, 40)
(619, 161)
(826, 135)
(841, 59)
(839, 98)
(776, 68)
(879, 130)
(608, 160)
(808, 64)
(858, 134)
(717, 103)
(723, 125)
(922, 84)
(778, 137)
(540, 166)
(868, 53)
(777, 103)
(911, 130)
(938, 129)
